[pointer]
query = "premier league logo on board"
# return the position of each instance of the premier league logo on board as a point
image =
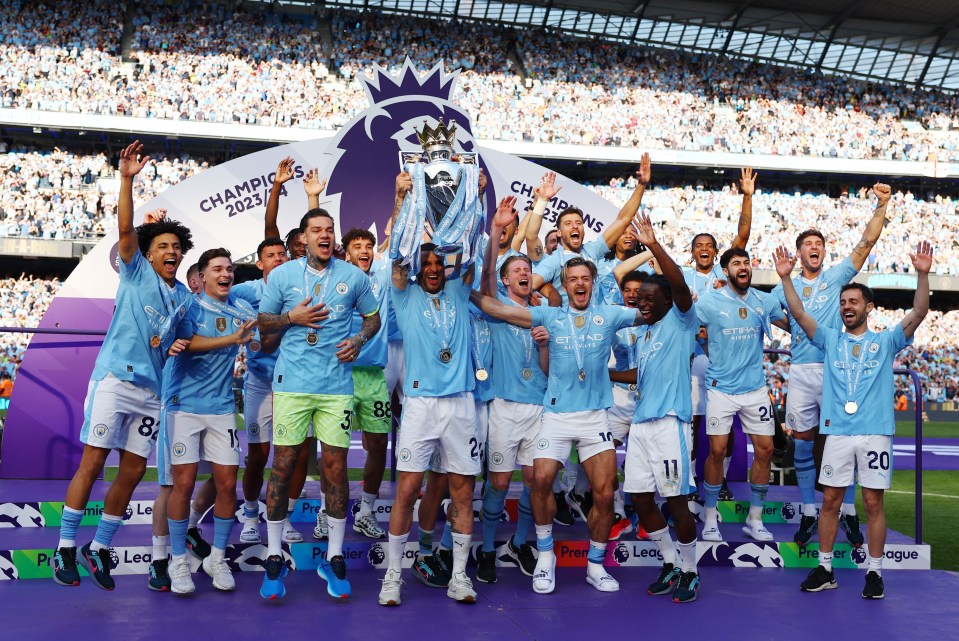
(114, 559)
(621, 553)
(376, 556)
(21, 515)
(8, 569)
(128, 513)
(858, 555)
(788, 511)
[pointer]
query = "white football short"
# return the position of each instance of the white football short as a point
(620, 415)
(870, 453)
(754, 409)
(445, 425)
(588, 430)
(258, 409)
(482, 428)
(513, 428)
(118, 415)
(210, 437)
(804, 397)
(657, 458)
(395, 370)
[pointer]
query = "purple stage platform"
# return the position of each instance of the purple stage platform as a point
(733, 604)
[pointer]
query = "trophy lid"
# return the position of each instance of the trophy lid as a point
(439, 137)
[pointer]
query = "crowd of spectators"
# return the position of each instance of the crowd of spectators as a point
(217, 62)
(23, 301)
(780, 215)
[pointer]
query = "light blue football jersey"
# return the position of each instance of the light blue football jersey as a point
(735, 327)
(516, 362)
(258, 363)
(702, 285)
(551, 267)
(664, 353)
(572, 348)
(431, 325)
(202, 382)
(859, 369)
(148, 316)
(314, 369)
(624, 350)
(374, 353)
(820, 298)
(481, 353)
(612, 295)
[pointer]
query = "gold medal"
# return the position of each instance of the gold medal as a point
(582, 375)
(632, 387)
(311, 339)
(446, 355)
(481, 374)
(851, 407)
(254, 346)
(154, 341)
(527, 374)
(580, 322)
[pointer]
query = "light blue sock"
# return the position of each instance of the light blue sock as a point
(758, 496)
(712, 494)
(109, 524)
(850, 495)
(426, 542)
(805, 471)
(221, 532)
(494, 500)
(178, 530)
(544, 537)
(446, 541)
(597, 552)
(524, 519)
(69, 522)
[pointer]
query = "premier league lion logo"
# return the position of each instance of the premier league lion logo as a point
(368, 147)
(621, 553)
(376, 556)
(788, 511)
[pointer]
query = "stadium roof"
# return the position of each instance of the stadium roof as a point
(913, 42)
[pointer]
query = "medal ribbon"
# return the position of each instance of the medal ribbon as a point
(579, 342)
(852, 385)
(164, 327)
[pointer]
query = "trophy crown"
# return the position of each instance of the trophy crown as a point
(439, 136)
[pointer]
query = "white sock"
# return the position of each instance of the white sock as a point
(619, 503)
(755, 513)
(323, 501)
(664, 543)
(160, 545)
(397, 546)
(710, 516)
(687, 556)
(337, 530)
(366, 504)
(274, 538)
(290, 506)
(825, 559)
(216, 553)
(808, 509)
(848, 509)
(178, 557)
(195, 517)
(461, 551)
(875, 565)
(726, 462)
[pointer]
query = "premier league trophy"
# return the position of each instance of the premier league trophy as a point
(445, 201)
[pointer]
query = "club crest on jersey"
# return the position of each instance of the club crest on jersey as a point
(220, 324)
(236, 322)
(342, 288)
(873, 348)
(743, 312)
(598, 320)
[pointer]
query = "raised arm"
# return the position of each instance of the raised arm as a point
(682, 297)
(501, 220)
(631, 264)
(401, 275)
(922, 261)
(284, 172)
(644, 174)
(747, 186)
(785, 263)
(873, 228)
(512, 314)
(517, 243)
(543, 194)
(313, 187)
(132, 162)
